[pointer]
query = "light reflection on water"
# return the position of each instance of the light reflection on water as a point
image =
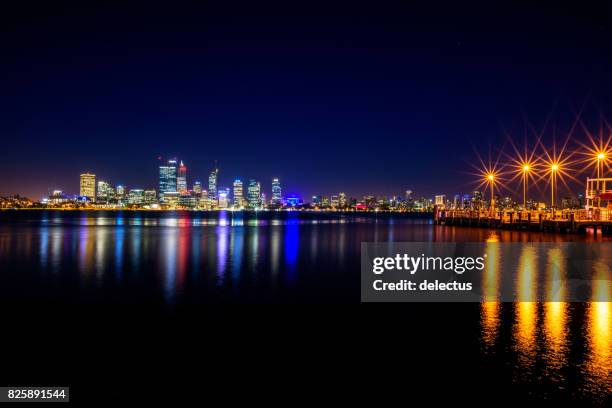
(207, 257)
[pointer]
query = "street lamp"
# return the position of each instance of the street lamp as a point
(491, 179)
(526, 169)
(553, 173)
(600, 159)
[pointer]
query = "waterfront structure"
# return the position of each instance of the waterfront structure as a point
(277, 196)
(88, 186)
(120, 192)
(238, 194)
(254, 195)
(167, 178)
(212, 185)
(181, 178)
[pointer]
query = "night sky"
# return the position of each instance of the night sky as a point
(374, 98)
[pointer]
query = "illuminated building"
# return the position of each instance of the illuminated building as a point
(88, 186)
(212, 185)
(120, 192)
(104, 192)
(136, 196)
(335, 201)
(342, 200)
(170, 198)
(187, 201)
(150, 196)
(223, 198)
(181, 179)
(167, 178)
(294, 201)
(316, 200)
(238, 195)
(197, 188)
(277, 196)
(254, 194)
(440, 199)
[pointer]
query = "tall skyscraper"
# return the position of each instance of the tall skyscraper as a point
(212, 184)
(254, 194)
(181, 179)
(277, 196)
(167, 178)
(88, 186)
(238, 195)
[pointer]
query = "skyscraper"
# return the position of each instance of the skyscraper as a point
(254, 194)
(181, 179)
(238, 195)
(88, 186)
(167, 178)
(276, 192)
(212, 185)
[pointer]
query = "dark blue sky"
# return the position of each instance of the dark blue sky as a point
(374, 98)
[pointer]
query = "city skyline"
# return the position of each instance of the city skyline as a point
(360, 99)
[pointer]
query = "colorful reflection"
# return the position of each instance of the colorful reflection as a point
(598, 367)
(490, 307)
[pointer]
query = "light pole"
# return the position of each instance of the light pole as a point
(600, 158)
(526, 169)
(553, 173)
(491, 178)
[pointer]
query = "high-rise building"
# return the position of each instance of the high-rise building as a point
(342, 200)
(181, 179)
(88, 186)
(212, 185)
(254, 194)
(167, 178)
(277, 196)
(223, 198)
(120, 192)
(104, 192)
(238, 194)
(197, 188)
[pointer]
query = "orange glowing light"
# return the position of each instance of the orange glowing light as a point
(526, 168)
(554, 167)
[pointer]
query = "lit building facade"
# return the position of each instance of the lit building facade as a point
(212, 185)
(181, 178)
(104, 192)
(167, 178)
(277, 195)
(238, 194)
(254, 194)
(88, 186)
(197, 188)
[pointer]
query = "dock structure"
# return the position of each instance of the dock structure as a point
(568, 221)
